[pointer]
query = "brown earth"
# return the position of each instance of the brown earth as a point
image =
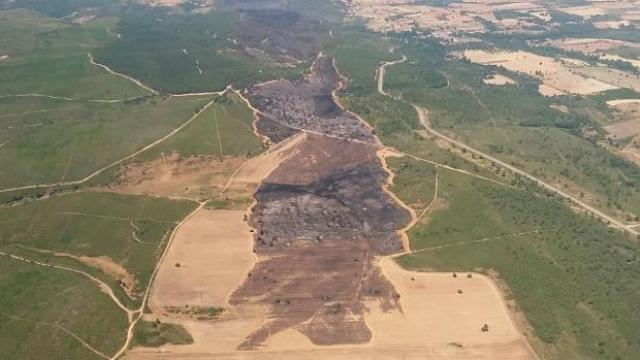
(497, 79)
(632, 150)
(625, 129)
(558, 76)
(210, 255)
(127, 281)
(436, 323)
(172, 176)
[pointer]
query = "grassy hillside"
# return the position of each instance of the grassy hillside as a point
(224, 129)
(573, 279)
(130, 230)
(163, 52)
(49, 57)
(45, 310)
(41, 308)
(46, 140)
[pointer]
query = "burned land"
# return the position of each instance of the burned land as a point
(320, 218)
(282, 32)
(308, 105)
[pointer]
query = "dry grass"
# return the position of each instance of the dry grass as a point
(498, 79)
(436, 322)
(558, 76)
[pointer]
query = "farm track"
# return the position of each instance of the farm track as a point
(138, 314)
(127, 77)
(423, 117)
(99, 171)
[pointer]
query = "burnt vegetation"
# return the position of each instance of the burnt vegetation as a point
(320, 218)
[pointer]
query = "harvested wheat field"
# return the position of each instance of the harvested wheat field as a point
(434, 321)
(586, 12)
(612, 77)
(619, 102)
(558, 77)
(209, 256)
(589, 45)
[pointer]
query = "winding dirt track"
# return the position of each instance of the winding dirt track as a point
(424, 120)
(132, 155)
(127, 77)
(103, 287)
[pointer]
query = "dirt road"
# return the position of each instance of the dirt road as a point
(422, 115)
(381, 71)
(99, 171)
(424, 120)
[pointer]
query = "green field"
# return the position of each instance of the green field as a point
(573, 279)
(37, 303)
(163, 53)
(513, 123)
(224, 129)
(44, 310)
(606, 180)
(49, 57)
(94, 224)
(52, 146)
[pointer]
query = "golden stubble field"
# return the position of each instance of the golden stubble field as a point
(441, 316)
(558, 76)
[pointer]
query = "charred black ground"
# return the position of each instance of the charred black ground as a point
(321, 217)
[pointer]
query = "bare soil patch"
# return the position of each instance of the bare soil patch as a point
(617, 24)
(166, 3)
(172, 176)
(558, 77)
(561, 108)
(629, 113)
(586, 12)
(497, 79)
(435, 322)
(632, 150)
(623, 102)
(126, 280)
(210, 255)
